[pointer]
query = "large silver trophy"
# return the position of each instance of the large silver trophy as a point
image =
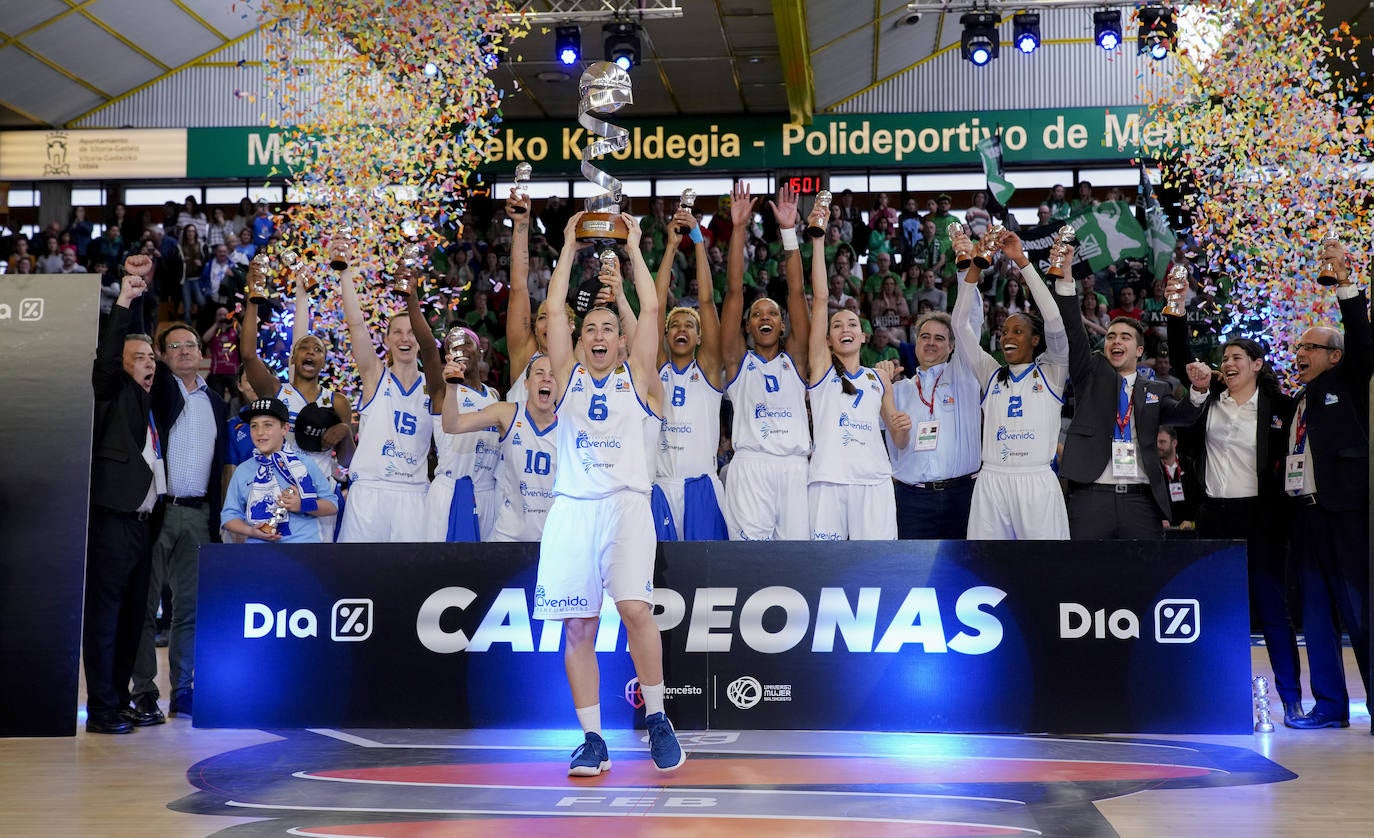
(604, 89)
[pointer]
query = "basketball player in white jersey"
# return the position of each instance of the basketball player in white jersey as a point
(599, 535)
(1017, 496)
(689, 367)
(528, 448)
(465, 477)
(525, 341)
(391, 464)
(850, 484)
(766, 487)
(308, 354)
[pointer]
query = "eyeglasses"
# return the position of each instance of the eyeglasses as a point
(1312, 347)
(184, 344)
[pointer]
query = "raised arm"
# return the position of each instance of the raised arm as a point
(798, 340)
(1080, 348)
(369, 363)
(664, 278)
(709, 355)
(501, 414)
(732, 308)
(818, 350)
(262, 379)
(430, 359)
(560, 339)
(1056, 339)
(643, 344)
(520, 340)
(300, 324)
(967, 320)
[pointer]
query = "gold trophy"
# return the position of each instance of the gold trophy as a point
(459, 349)
(522, 185)
(823, 199)
(1174, 289)
(1326, 274)
(988, 247)
(402, 282)
(604, 89)
(1059, 251)
(689, 200)
(341, 249)
(963, 256)
(259, 278)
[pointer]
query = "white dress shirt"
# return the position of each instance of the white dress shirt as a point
(1231, 448)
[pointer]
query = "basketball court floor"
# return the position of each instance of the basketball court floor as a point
(173, 780)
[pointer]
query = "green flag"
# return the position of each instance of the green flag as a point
(999, 187)
(1108, 233)
(1161, 239)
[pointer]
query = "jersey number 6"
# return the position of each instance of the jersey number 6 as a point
(597, 410)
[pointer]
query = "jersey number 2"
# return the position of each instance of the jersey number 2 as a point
(1013, 407)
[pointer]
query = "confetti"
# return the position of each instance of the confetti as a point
(1269, 143)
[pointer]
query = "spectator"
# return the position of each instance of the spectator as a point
(1014, 297)
(245, 250)
(879, 348)
(51, 260)
(245, 215)
(977, 218)
(1058, 202)
(80, 230)
(1184, 491)
(1043, 215)
(108, 248)
(1125, 305)
(220, 279)
(276, 496)
(1095, 320)
(1083, 201)
(221, 230)
(222, 339)
(190, 214)
(263, 226)
(837, 299)
(21, 251)
(926, 289)
(23, 266)
(193, 263)
(69, 263)
(881, 209)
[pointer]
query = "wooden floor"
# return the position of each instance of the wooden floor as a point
(122, 786)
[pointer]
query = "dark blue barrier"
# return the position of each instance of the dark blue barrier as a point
(1070, 637)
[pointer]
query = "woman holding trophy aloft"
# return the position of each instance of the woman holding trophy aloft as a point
(849, 488)
(689, 366)
(1017, 495)
(462, 502)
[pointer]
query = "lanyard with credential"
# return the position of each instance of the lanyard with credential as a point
(152, 432)
(1300, 431)
(920, 392)
(1123, 422)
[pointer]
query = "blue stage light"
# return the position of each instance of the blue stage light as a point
(1107, 29)
(979, 43)
(622, 44)
(567, 42)
(1026, 29)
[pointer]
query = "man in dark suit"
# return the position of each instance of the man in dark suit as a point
(1115, 488)
(1181, 477)
(192, 421)
(127, 480)
(1326, 473)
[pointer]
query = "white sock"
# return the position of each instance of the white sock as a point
(653, 698)
(590, 719)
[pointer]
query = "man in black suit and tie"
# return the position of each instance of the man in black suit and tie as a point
(127, 481)
(1326, 473)
(1116, 489)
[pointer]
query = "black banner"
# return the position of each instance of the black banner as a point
(1036, 242)
(1071, 637)
(47, 341)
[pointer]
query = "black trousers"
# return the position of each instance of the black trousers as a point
(1098, 513)
(1267, 564)
(118, 559)
(1332, 549)
(932, 513)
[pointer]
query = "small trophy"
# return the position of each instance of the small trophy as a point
(341, 249)
(823, 199)
(1327, 271)
(609, 264)
(280, 514)
(1174, 290)
(604, 88)
(1059, 251)
(963, 255)
(522, 186)
(689, 200)
(459, 349)
(259, 281)
(988, 247)
(402, 282)
(1260, 691)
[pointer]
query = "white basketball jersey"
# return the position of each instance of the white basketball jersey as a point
(769, 398)
(529, 461)
(601, 436)
(295, 402)
(1021, 420)
(394, 432)
(519, 391)
(690, 433)
(849, 439)
(473, 454)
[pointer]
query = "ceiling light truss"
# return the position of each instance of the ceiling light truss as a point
(591, 11)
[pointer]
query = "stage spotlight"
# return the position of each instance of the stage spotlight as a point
(431, 69)
(1026, 29)
(980, 42)
(567, 44)
(1107, 29)
(1157, 31)
(622, 44)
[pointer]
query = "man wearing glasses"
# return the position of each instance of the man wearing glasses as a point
(191, 422)
(1326, 473)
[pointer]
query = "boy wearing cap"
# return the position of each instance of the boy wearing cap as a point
(273, 496)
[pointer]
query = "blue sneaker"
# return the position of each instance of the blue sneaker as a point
(590, 758)
(663, 747)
